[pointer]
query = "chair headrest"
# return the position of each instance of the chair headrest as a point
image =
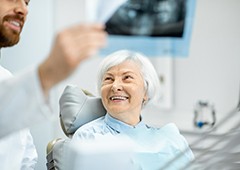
(78, 107)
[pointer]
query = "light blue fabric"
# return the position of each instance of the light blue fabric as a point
(155, 146)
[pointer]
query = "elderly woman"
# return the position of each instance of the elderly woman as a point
(127, 81)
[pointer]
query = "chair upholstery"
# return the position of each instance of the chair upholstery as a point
(55, 153)
(77, 107)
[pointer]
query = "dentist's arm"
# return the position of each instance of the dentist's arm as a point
(23, 97)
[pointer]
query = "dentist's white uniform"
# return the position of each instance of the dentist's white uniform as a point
(22, 102)
(21, 105)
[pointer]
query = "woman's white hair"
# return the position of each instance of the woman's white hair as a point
(151, 81)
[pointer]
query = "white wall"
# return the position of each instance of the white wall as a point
(210, 72)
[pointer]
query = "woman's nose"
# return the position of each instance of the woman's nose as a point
(117, 86)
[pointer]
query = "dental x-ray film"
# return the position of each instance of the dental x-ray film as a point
(154, 27)
(149, 18)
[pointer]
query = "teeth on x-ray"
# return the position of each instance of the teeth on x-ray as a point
(149, 18)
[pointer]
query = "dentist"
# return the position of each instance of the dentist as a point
(24, 97)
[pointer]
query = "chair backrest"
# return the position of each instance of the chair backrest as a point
(77, 107)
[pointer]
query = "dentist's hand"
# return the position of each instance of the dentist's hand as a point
(70, 48)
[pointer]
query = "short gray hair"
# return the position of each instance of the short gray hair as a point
(148, 72)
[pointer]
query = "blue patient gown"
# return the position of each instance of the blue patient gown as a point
(155, 147)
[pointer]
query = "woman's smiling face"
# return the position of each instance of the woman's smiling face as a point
(123, 92)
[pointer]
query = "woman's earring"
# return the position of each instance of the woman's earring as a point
(144, 102)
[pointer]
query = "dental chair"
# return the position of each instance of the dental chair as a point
(77, 107)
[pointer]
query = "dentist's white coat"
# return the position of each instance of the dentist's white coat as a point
(20, 103)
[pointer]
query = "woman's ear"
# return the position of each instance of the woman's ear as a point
(145, 98)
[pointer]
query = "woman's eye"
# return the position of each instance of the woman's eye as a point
(27, 2)
(128, 77)
(108, 78)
